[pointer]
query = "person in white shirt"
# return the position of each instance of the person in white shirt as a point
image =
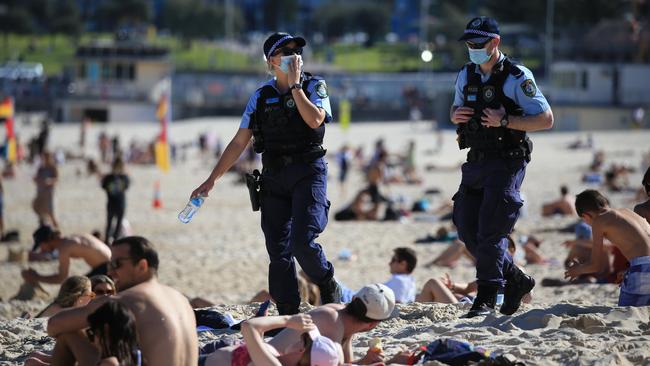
(402, 282)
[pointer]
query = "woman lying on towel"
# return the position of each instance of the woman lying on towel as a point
(312, 349)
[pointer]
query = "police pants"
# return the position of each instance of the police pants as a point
(486, 208)
(294, 212)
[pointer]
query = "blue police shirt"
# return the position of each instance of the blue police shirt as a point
(316, 99)
(523, 90)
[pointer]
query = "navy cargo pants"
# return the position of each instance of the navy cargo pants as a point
(486, 208)
(294, 212)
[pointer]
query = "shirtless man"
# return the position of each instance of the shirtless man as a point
(87, 247)
(643, 209)
(562, 206)
(629, 232)
(165, 321)
(369, 307)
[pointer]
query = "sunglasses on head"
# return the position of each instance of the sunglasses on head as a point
(288, 51)
(476, 46)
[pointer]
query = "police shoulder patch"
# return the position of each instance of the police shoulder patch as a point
(321, 89)
(529, 88)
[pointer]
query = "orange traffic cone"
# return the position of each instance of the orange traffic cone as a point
(157, 201)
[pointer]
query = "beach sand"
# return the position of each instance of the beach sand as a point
(221, 256)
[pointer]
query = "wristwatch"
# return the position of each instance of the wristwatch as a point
(295, 86)
(504, 121)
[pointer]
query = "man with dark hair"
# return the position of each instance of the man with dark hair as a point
(402, 282)
(371, 305)
(92, 250)
(165, 321)
(626, 230)
(643, 209)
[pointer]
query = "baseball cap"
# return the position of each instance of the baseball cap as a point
(379, 300)
(41, 234)
(583, 230)
(278, 39)
(480, 30)
(324, 351)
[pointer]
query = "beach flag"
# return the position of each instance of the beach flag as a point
(7, 112)
(162, 146)
(344, 114)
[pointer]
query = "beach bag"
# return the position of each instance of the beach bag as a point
(345, 215)
(458, 353)
(211, 319)
(452, 352)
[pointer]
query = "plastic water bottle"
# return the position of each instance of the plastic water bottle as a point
(192, 206)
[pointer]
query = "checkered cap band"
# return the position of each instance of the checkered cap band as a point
(482, 33)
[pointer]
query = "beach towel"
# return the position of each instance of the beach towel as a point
(635, 289)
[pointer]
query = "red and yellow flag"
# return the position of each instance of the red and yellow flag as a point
(162, 146)
(7, 112)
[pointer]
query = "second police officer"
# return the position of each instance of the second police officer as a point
(496, 102)
(286, 117)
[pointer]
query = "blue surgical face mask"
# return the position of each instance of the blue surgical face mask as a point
(479, 56)
(285, 61)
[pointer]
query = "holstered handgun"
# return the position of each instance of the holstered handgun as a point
(254, 184)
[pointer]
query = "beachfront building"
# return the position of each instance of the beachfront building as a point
(115, 82)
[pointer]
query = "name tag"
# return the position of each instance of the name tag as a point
(272, 100)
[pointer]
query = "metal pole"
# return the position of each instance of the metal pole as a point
(424, 13)
(548, 49)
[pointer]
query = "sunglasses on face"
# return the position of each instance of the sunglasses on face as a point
(90, 334)
(477, 46)
(287, 51)
(104, 292)
(116, 263)
(394, 260)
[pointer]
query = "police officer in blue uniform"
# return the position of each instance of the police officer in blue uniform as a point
(496, 102)
(286, 117)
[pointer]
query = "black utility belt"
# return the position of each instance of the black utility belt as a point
(275, 161)
(512, 153)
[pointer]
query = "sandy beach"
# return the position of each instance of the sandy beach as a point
(221, 257)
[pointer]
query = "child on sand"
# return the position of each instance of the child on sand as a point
(629, 232)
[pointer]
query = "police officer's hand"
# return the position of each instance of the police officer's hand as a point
(462, 115)
(203, 189)
(492, 117)
(294, 70)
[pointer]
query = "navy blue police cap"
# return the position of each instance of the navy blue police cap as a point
(480, 30)
(279, 39)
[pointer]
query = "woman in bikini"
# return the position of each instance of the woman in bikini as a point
(312, 349)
